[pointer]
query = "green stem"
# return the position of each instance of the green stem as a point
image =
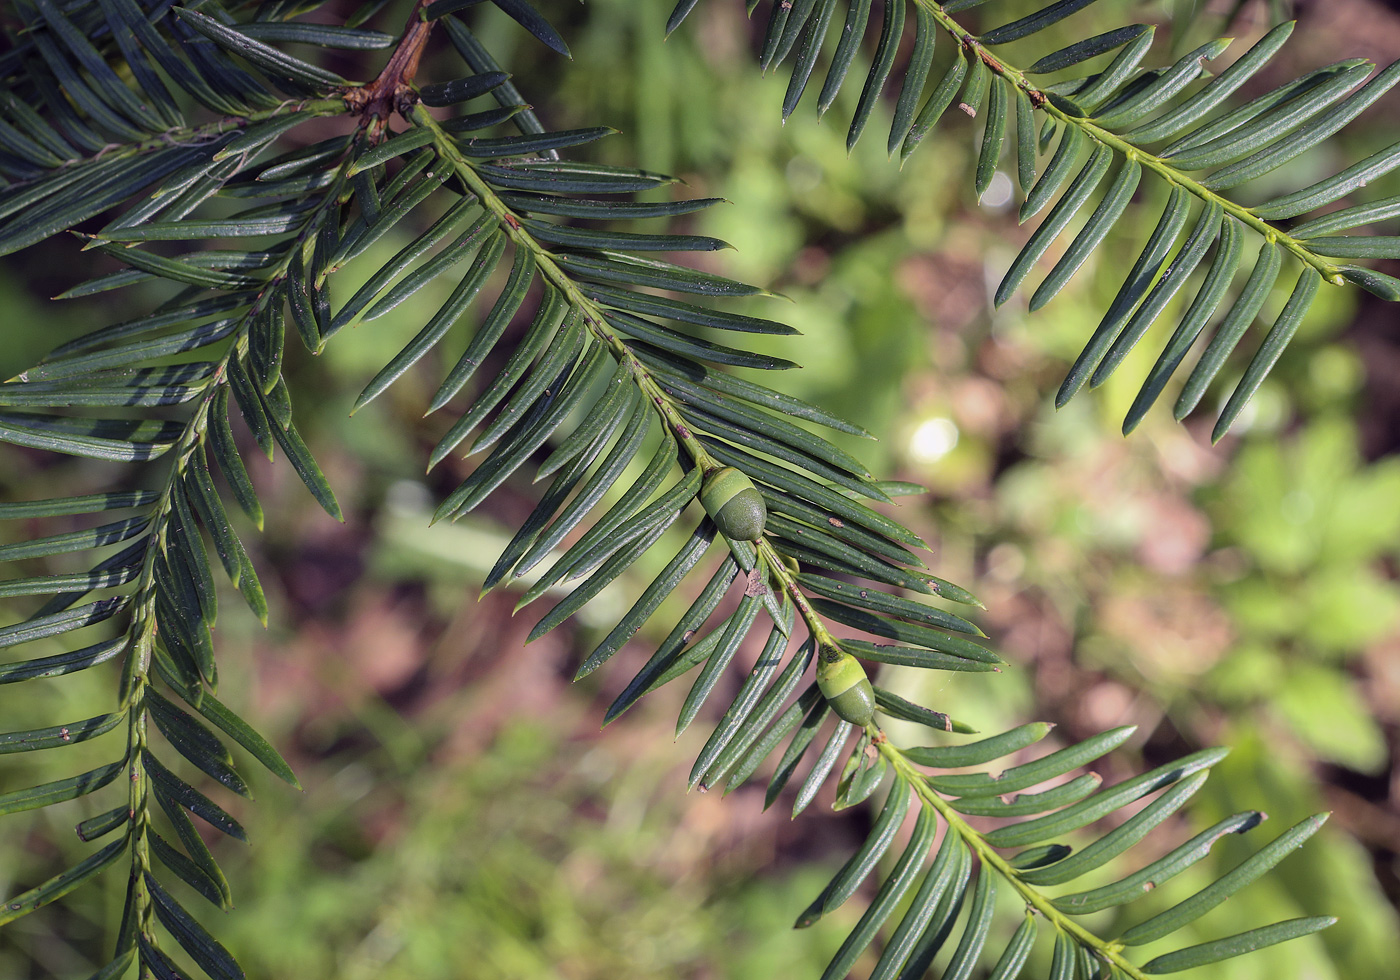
(988, 856)
(592, 315)
(783, 579)
(1017, 77)
(142, 629)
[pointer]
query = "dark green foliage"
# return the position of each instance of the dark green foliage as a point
(1123, 112)
(178, 114)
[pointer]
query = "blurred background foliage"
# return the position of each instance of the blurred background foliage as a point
(464, 817)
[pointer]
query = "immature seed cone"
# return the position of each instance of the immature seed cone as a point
(843, 683)
(734, 504)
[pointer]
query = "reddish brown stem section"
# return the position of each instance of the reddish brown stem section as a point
(392, 90)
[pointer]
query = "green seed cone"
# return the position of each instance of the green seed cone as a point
(734, 504)
(846, 688)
